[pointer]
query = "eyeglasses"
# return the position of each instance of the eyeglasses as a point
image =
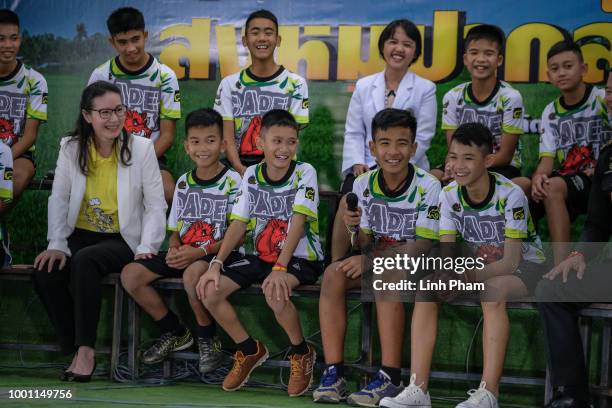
(106, 114)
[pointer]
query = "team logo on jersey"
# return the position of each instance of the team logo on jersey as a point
(517, 113)
(490, 253)
(45, 98)
(252, 180)
(177, 96)
(309, 193)
(433, 212)
(199, 234)
(182, 185)
(305, 104)
(248, 142)
(7, 134)
(366, 192)
(8, 173)
(136, 124)
(518, 213)
(456, 207)
(271, 239)
(579, 158)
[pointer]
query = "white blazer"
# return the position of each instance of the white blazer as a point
(413, 93)
(140, 198)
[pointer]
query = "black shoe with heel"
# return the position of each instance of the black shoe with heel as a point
(83, 378)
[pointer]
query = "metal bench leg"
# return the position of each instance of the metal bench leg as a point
(117, 322)
(604, 376)
(133, 337)
(366, 338)
(548, 388)
(585, 334)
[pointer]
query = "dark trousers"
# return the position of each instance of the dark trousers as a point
(72, 295)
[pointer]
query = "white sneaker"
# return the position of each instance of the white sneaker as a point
(412, 396)
(480, 398)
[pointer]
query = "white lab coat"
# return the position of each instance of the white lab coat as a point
(140, 198)
(413, 93)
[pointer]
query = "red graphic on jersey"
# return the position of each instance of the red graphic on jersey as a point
(6, 131)
(490, 253)
(199, 233)
(270, 241)
(248, 143)
(579, 158)
(387, 239)
(136, 124)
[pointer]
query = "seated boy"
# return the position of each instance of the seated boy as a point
(149, 88)
(487, 100)
(408, 193)
(491, 215)
(277, 209)
(574, 128)
(202, 199)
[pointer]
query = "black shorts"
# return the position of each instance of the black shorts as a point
(531, 273)
(508, 171)
(28, 155)
(578, 190)
(162, 161)
(157, 264)
(249, 269)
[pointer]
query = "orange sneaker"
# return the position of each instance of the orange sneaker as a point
(302, 366)
(243, 366)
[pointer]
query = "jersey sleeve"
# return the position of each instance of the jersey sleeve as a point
(449, 111)
(241, 210)
(98, 74)
(38, 94)
(223, 100)
(359, 187)
(170, 107)
(6, 173)
(447, 224)
(548, 134)
(235, 181)
(300, 104)
(176, 205)
(428, 216)
(516, 214)
(512, 121)
(307, 196)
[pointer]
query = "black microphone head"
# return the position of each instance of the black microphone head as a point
(351, 201)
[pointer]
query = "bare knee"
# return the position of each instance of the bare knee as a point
(192, 275)
(277, 306)
(493, 307)
(212, 297)
(334, 281)
(557, 190)
(133, 277)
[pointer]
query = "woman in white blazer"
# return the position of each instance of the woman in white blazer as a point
(106, 209)
(396, 87)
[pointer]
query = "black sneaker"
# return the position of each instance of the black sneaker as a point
(211, 356)
(166, 344)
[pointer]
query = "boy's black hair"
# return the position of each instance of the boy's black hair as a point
(278, 117)
(409, 28)
(9, 17)
(563, 46)
(392, 117)
(125, 19)
(203, 117)
(474, 134)
(485, 32)
(267, 14)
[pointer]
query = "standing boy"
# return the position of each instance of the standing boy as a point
(244, 97)
(398, 203)
(202, 199)
(491, 215)
(148, 88)
(277, 209)
(487, 100)
(574, 129)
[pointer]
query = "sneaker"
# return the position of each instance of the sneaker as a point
(412, 396)
(302, 366)
(331, 389)
(211, 356)
(480, 398)
(243, 366)
(379, 388)
(166, 344)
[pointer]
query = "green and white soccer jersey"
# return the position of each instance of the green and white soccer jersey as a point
(267, 208)
(503, 214)
(6, 173)
(575, 134)
(502, 113)
(23, 95)
(151, 94)
(245, 98)
(404, 215)
(200, 208)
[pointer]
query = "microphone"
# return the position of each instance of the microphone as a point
(351, 201)
(351, 204)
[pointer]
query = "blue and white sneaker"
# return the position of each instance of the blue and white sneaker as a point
(332, 389)
(379, 388)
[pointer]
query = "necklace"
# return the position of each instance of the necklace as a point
(389, 97)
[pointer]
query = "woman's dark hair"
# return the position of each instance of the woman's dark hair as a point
(83, 132)
(411, 31)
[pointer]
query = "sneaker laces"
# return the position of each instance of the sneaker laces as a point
(238, 362)
(164, 341)
(208, 346)
(412, 389)
(477, 395)
(296, 367)
(329, 378)
(377, 383)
